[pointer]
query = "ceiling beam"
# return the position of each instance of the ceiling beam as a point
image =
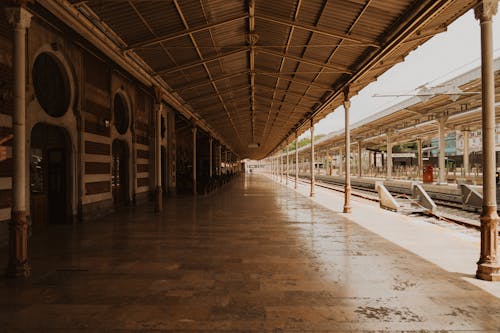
(203, 61)
(270, 99)
(299, 81)
(220, 92)
(318, 30)
(186, 32)
(201, 83)
(282, 64)
(252, 40)
(335, 69)
(287, 92)
(424, 12)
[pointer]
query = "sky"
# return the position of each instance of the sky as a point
(441, 58)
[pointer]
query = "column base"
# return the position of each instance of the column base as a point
(347, 199)
(488, 272)
(18, 270)
(18, 246)
(487, 266)
(158, 200)
(312, 194)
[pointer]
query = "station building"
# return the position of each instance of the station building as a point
(114, 114)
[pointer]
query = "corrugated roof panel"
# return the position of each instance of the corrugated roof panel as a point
(335, 17)
(155, 57)
(161, 16)
(283, 9)
(310, 11)
(220, 10)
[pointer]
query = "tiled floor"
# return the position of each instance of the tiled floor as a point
(252, 257)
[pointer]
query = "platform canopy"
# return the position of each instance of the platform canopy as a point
(458, 101)
(256, 72)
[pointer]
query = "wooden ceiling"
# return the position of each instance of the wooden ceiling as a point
(257, 71)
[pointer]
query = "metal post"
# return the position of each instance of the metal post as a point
(281, 167)
(487, 266)
(442, 145)
(420, 158)
(312, 159)
(194, 130)
(195, 190)
(211, 142)
(466, 152)
(158, 196)
(360, 164)
(273, 167)
(347, 187)
(225, 162)
(389, 157)
(18, 266)
(341, 162)
(296, 160)
(287, 161)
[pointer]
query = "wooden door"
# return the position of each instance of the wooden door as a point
(56, 185)
(119, 174)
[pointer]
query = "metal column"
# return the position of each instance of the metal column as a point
(389, 157)
(18, 266)
(296, 160)
(442, 145)
(487, 266)
(341, 162)
(466, 152)
(347, 186)
(312, 159)
(287, 161)
(420, 158)
(194, 129)
(360, 163)
(158, 194)
(211, 163)
(281, 167)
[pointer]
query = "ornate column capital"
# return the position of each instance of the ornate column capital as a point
(158, 107)
(485, 10)
(19, 17)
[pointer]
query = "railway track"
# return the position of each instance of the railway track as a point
(448, 211)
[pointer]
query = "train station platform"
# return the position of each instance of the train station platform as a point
(255, 256)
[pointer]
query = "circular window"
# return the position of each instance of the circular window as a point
(120, 113)
(51, 85)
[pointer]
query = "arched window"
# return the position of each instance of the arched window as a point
(121, 114)
(51, 84)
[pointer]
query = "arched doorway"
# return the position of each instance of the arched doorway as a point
(50, 175)
(119, 174)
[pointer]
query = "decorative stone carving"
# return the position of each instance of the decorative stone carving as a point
(486, 10)
(19, 17)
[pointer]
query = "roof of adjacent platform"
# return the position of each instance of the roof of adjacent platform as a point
(257, 71)
(458, 100)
